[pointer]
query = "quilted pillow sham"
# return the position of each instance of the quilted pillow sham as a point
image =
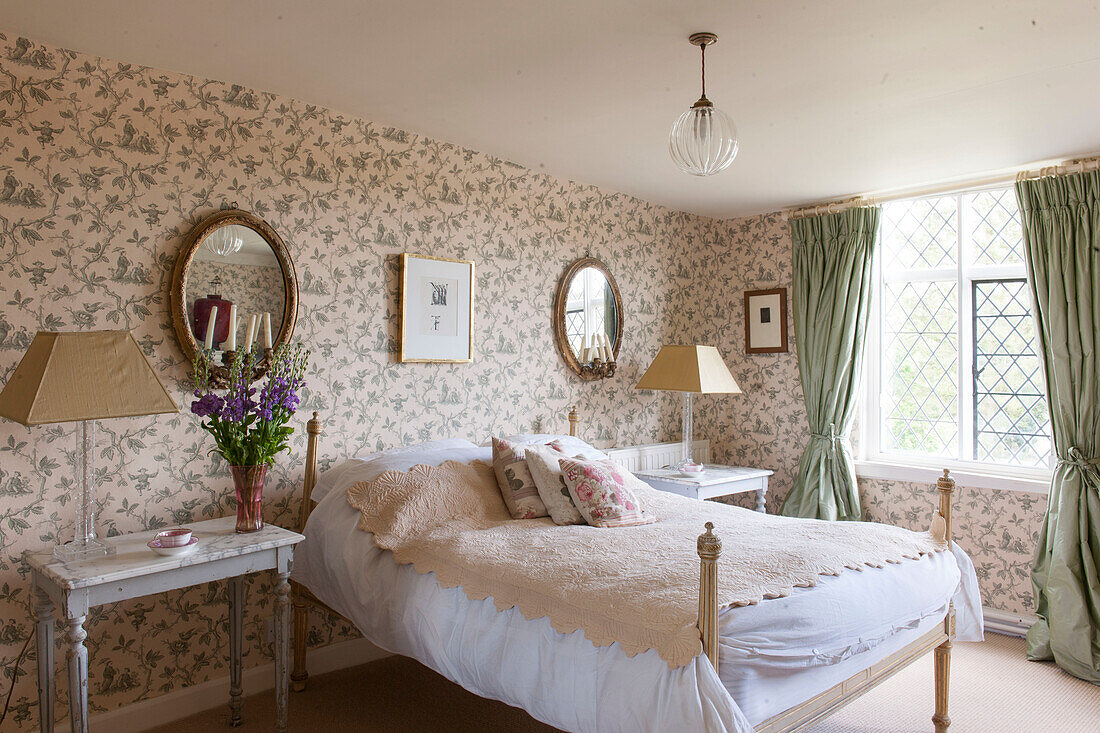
(517, 486)
(543, 462)
(602, 492)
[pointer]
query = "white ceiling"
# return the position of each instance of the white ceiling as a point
(831, 98)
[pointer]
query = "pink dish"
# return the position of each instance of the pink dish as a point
(173, 538)
(692, 468)
(170, 551)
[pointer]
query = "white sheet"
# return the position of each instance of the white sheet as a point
(773, 654)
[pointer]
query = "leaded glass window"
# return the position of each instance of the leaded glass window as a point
(954, 371)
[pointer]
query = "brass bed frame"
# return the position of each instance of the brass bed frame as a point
(709, 548)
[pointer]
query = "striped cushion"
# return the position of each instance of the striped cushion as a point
(518, 488)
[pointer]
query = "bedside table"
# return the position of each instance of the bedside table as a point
(135, 570)
(713, 482)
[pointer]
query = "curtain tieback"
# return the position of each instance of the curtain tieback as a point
(833, 437)
(1090, 466)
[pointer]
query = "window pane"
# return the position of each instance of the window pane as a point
(919, 234)
(996, 236)
(920, 368)
(1010, 411)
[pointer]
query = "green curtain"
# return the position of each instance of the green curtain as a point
(833, 258)
(1061, 218)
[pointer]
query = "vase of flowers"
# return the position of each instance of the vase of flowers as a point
(250, 430)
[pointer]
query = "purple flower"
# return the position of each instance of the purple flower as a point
(207, 404)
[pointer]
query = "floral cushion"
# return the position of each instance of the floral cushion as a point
(518, 488)
(602, 492)
(543, 462)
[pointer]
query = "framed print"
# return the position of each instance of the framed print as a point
(437, 309)
(766, 321)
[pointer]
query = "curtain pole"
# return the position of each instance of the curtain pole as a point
(1031, 171)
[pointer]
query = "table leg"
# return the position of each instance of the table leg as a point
(236, 655)
(761, 493)
(282, 651)
(44, 641)
(78, 675)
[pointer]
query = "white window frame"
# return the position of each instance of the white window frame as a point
(873, 461)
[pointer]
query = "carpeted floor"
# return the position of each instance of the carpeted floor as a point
(993, 688)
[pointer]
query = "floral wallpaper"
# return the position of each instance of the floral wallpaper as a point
(104, 168)
(765, 426)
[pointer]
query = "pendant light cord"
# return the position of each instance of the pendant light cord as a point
(703, 55)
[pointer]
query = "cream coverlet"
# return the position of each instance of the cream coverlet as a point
(635, 586)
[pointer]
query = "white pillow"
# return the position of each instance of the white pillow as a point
(547, 438)
(545, 470)
(402, 458)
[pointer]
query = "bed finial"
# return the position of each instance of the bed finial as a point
(946, 486)
(709, 547)
(573, 420)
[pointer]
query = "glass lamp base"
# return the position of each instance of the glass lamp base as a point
(77, 551)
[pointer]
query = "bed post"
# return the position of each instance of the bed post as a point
(573, 419)
(299, 675)
(709, 547)
(942, 654)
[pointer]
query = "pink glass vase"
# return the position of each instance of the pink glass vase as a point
(249, 482)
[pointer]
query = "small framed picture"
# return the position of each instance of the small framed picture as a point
(766, 321)
(437, 309)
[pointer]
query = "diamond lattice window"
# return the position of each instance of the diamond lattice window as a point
(954, 370)
(995, 233)
(919, 234)
(574, 328)
(920, 366)
(1011, 423)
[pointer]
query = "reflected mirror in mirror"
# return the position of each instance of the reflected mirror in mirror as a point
(234, 266)
(590, 314)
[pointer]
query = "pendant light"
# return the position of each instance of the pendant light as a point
(704, 140)
(224, 242)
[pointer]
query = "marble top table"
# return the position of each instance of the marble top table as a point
(134, 570)
(713, 481)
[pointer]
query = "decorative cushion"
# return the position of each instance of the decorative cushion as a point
(602, 492)
(518, 488)
(543, 462)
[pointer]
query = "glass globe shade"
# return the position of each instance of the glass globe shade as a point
(703, 141)
(224, 242)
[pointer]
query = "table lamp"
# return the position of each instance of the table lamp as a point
(83, 376)
(691, 370)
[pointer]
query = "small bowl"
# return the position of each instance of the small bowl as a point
(692, 468)
(168, 551)
(173, 537)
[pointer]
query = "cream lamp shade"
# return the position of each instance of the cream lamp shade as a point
(696, 369)
(83, 375)
(693, 369)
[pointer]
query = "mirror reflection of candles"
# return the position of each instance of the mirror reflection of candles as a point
(243, 285)
(591, 319)
(588, 319)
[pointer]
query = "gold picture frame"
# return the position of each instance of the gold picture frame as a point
(422, 346)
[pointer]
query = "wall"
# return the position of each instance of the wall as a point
(105, 168)
(766, 426)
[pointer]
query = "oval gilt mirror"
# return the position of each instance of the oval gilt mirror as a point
(587, 319)
(233, 266)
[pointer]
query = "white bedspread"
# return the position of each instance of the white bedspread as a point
(772, 655)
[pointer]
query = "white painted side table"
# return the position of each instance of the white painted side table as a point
(135, 570)
(714, 481)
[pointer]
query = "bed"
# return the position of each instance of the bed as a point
(779, 665)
